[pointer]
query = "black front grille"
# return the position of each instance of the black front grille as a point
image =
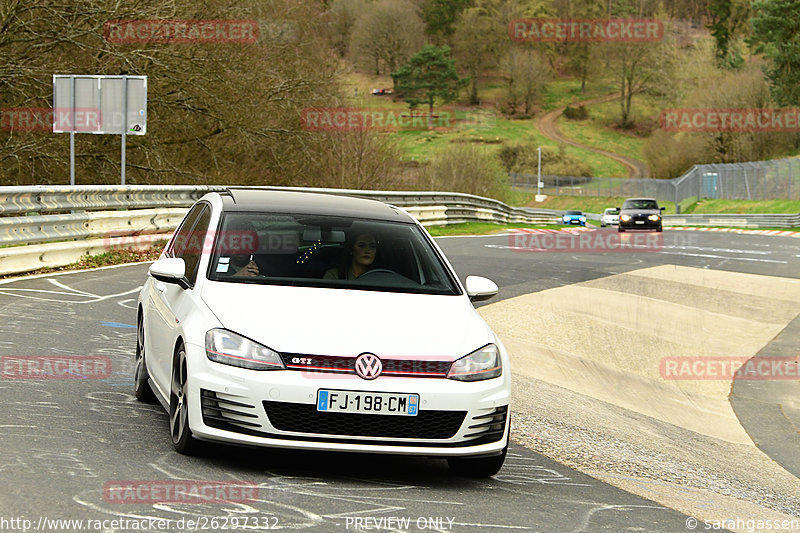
(304, 418)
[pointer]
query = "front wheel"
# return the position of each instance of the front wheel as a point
(621, 230)
(478, 466)
(179, 429)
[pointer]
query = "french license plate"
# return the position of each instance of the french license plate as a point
(371, 403)
(640, 221)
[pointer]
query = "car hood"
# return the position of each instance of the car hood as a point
(319, 321)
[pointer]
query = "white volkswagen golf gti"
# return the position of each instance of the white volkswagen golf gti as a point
(320, 322)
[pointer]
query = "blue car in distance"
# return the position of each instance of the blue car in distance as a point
(572, 218)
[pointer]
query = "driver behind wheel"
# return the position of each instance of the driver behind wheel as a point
(359, 259)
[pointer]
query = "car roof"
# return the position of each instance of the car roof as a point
(653, 199)
(309, 203)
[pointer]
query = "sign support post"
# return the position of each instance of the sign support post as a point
(124, 127)
(71, 138)
(99, 105)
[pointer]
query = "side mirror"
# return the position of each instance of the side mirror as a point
(170, 270)
(480, 288)
(618, 209)
(661, 208)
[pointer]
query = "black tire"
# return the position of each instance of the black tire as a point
(659, 229)
(179, 430)
(477, 467)
(141, 388)
(621, 230)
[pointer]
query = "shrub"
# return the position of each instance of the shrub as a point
(576, 113)
(467, 168)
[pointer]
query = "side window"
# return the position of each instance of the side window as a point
(181, 238)
(194, 244)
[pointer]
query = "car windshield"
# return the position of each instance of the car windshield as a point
(611, 211)
(574, 213)
(325, 251)
(640, 204)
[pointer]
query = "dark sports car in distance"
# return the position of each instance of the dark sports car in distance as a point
(640, 213)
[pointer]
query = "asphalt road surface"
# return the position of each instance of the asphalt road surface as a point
(67, 443)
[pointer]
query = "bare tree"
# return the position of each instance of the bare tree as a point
(224, 112)
(526, 72)
(744, 90)
(476, 42)
(342, 17)
(640, 68)
(386, 35)
(468, 168)
(357, 159)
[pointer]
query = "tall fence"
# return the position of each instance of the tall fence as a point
(777, 179)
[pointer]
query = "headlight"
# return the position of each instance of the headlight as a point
(480, 364)
(625, 218)
(228, 348)
(565, 218)
(654, 218)
(583, 219)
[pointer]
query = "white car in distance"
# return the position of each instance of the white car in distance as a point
(320, 322)
(610, 217)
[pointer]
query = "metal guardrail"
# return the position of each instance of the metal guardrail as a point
(431, 208)
(39, 222)
(48, 228)
(49, 199)
(735, 220)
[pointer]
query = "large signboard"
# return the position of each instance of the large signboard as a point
(100, 104)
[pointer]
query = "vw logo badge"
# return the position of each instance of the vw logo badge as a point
(368, 366)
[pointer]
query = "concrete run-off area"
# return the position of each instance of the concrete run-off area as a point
(591, 391)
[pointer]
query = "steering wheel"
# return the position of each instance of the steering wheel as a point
(377, 270)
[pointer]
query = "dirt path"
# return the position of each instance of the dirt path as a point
(547, 126)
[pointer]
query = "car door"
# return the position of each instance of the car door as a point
(165, 299)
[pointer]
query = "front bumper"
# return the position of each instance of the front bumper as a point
(278, 409)
(640, 223)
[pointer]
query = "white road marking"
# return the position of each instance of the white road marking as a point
(710, 256)
(94, 298)
(68, 288)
